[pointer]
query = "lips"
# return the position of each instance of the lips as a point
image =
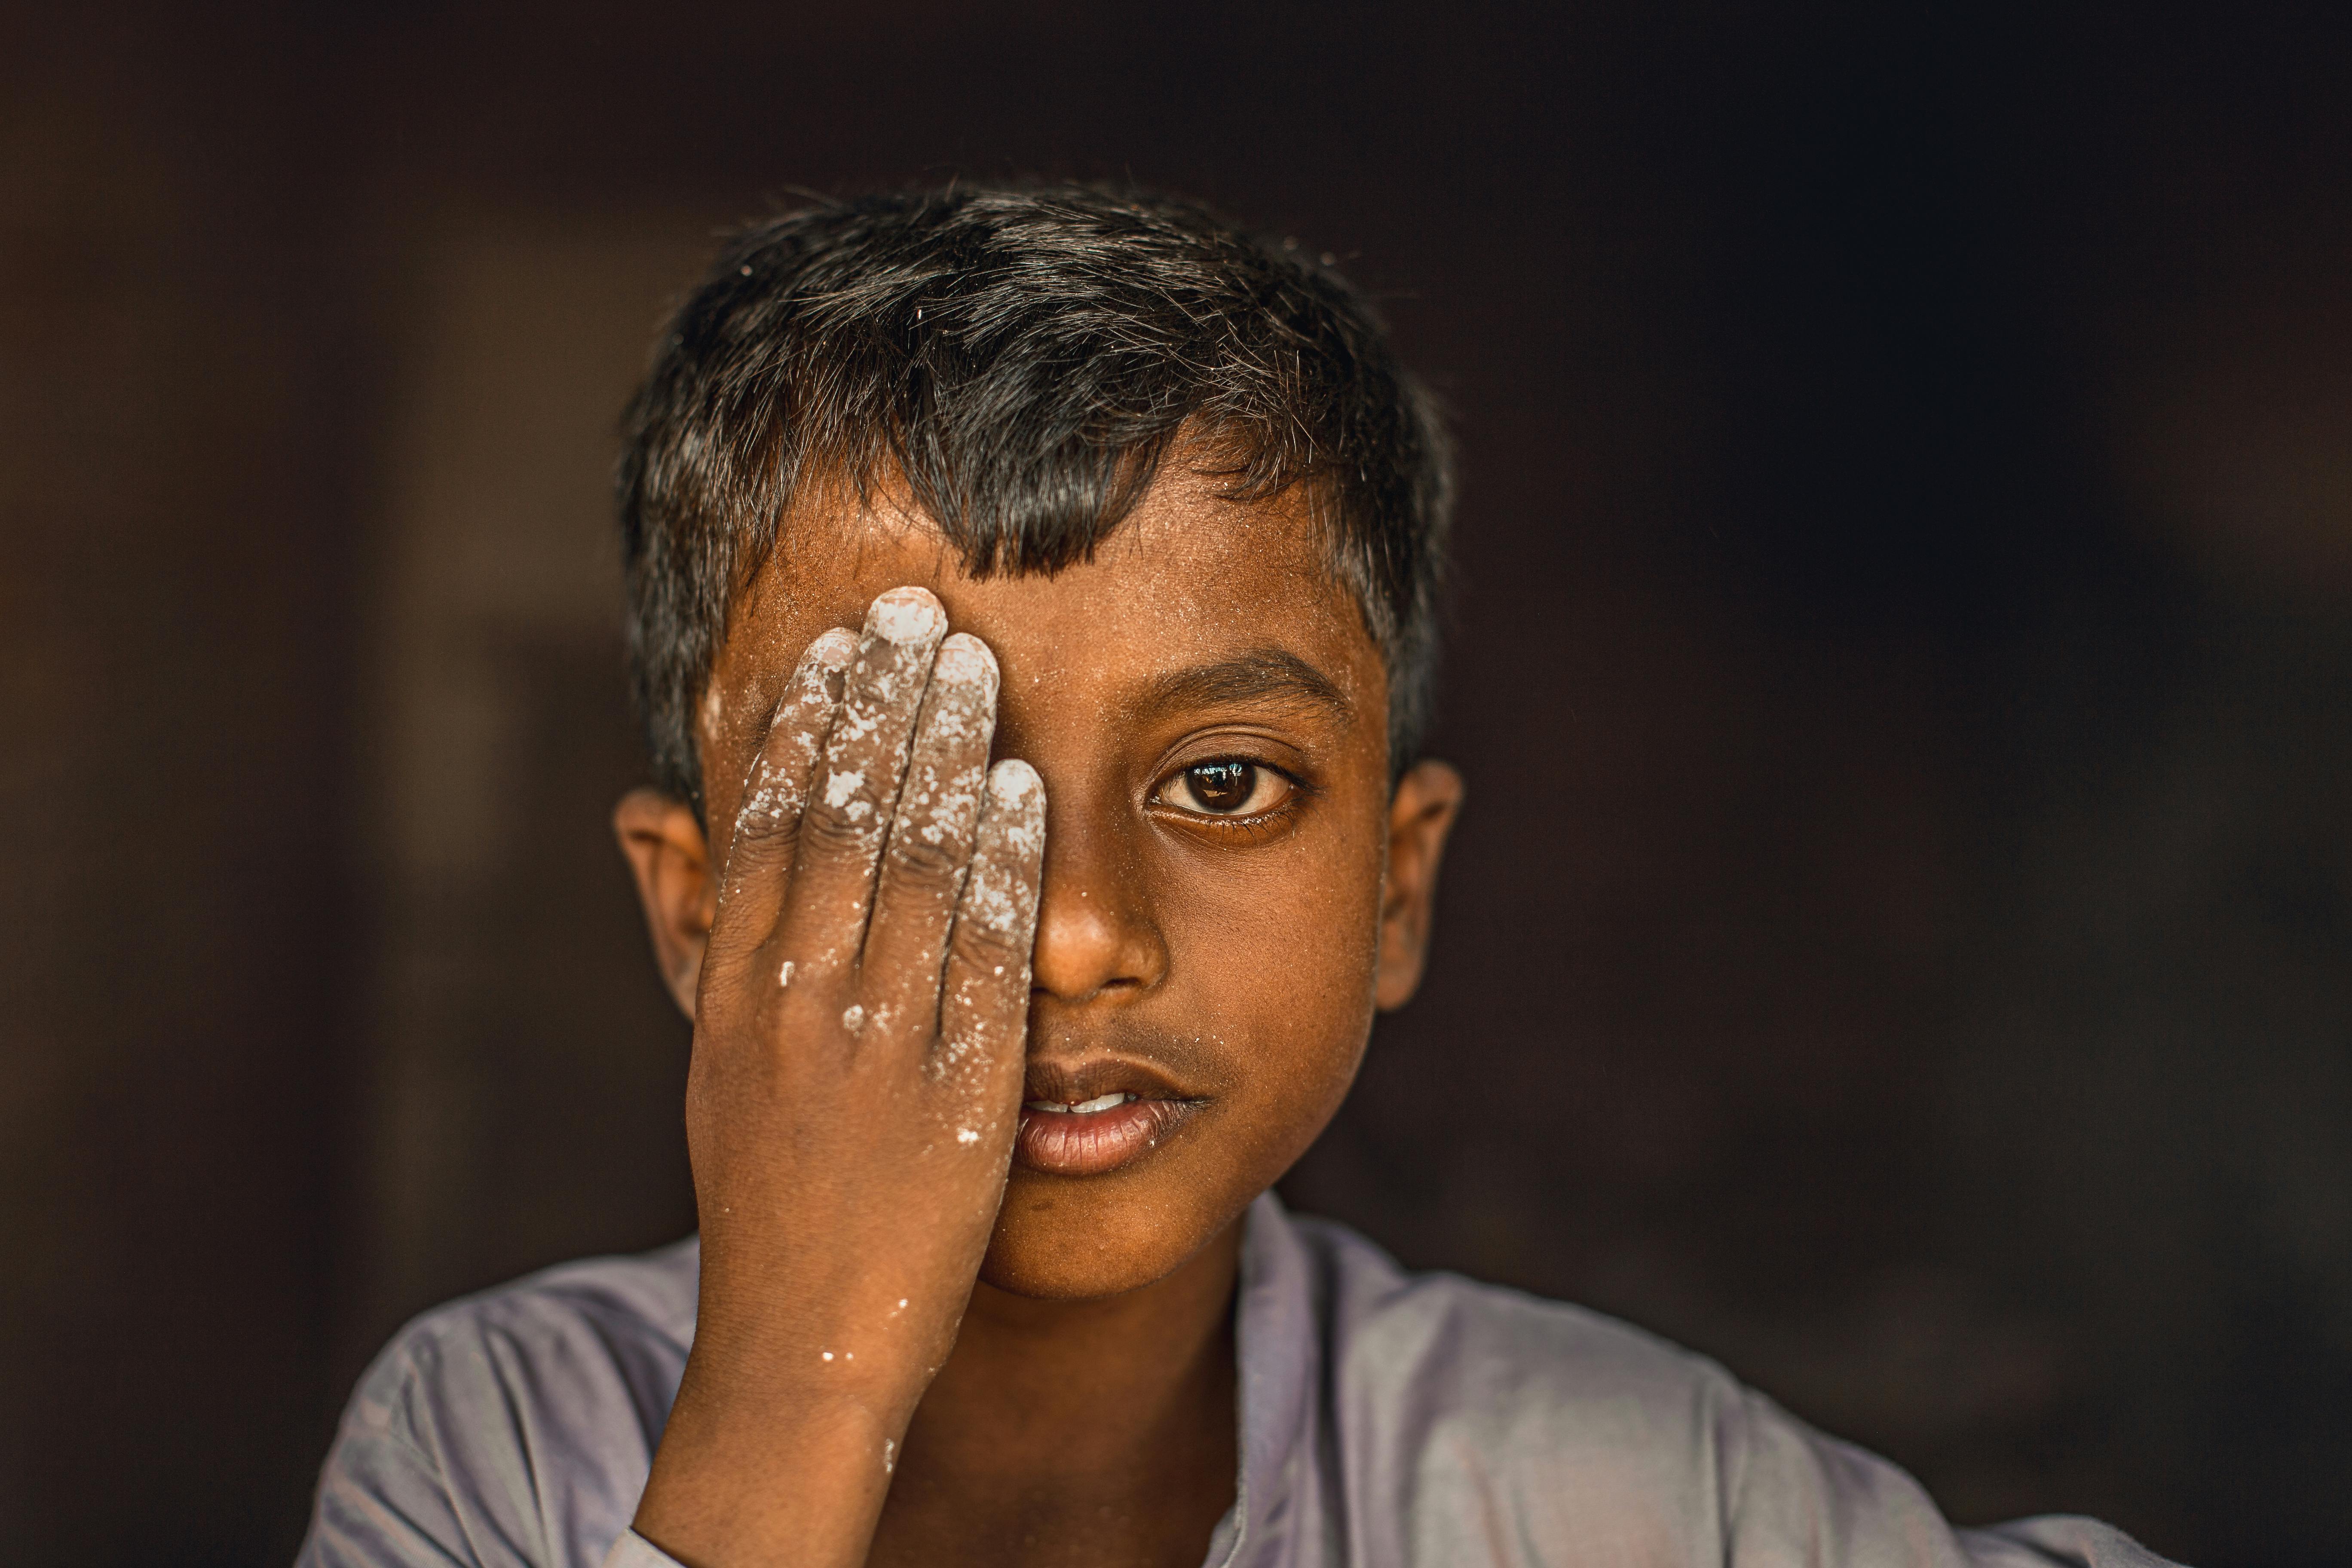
(1094, 1117)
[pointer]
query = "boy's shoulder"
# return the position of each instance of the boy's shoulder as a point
(1426, 1416)
(652, 1291)
(1448, 1322)
(515, 1425)
(1470, 1409)
(634, 1314)
(1492, 1354)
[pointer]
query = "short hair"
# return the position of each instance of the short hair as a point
(1022, 359)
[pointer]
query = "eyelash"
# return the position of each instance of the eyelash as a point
(1253, 825)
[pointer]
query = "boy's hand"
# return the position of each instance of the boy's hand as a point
(858, 1055)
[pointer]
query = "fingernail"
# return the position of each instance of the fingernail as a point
(906, 615)
(1012, 783)
(835, 648)
(966, 660)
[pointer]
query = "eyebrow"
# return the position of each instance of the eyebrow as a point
(1260, 675)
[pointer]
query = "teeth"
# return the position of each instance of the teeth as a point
(1103, 1103)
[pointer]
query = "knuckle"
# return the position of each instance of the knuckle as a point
(770, 792)
(757, 847)
(761, 821)
(758, 832)
(848, 827)
(921, 860)
(987, 942)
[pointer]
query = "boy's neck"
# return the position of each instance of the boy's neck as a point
(1084, 1431)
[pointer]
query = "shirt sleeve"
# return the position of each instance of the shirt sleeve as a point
(1796, 1497)
(491, 1436)
(381, 1503)
(2059, 1540)
(431, 1466)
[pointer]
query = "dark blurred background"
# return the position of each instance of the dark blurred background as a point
(1900, 943)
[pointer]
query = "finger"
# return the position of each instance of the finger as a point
(759, 848)
(855, 787)
(984, 1000)
(930, 842)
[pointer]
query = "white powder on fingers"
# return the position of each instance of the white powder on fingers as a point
(1000, 895)
(906, 615)
(833, 649)
(1012, 782)
(964, 660)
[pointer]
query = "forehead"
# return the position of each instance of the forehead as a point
(1191, 577)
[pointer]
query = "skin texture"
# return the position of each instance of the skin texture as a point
(921, 1339)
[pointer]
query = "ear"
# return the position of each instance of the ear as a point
(1420, 814)
(671, 859)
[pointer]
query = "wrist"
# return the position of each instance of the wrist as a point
(746, 1477)
(771, 1363)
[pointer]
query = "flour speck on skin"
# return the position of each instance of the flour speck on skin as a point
(853, 1018)
(966, 1135)
(841, 784)
(786, 978)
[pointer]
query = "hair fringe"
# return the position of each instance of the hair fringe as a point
(1023, 359)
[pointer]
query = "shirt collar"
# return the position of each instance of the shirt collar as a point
(1280, 1355)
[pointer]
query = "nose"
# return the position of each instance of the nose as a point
(1096, 939)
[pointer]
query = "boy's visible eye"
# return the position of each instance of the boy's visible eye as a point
(1228, 787)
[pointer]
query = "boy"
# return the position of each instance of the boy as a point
(995, 1060)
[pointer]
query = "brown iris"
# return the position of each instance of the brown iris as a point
(1222, 787)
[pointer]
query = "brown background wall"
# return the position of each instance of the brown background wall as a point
(1900, 943)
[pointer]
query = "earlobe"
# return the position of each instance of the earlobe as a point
(671, 860)
(1420, 814)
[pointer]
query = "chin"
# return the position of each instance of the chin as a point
(1084, 1239)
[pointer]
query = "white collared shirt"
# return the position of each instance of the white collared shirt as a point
(1387, 1419)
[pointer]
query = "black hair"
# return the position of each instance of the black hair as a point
(1022, 359)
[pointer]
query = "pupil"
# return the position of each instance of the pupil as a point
(1223, 786)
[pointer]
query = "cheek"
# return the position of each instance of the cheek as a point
(722, 796)
(1280, 944)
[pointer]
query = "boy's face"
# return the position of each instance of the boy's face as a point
(1230, 889)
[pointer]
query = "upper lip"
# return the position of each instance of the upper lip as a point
(1074, 1083)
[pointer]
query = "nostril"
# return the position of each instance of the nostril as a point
(1118, 986)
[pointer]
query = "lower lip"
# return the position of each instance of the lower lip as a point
(1090, 1142)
